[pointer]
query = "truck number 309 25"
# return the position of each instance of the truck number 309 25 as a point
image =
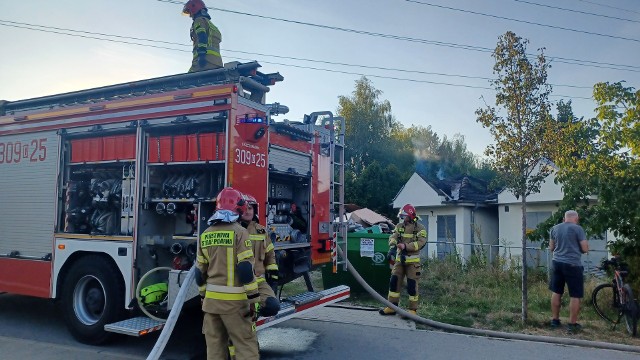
(247, 157)
(14, 152)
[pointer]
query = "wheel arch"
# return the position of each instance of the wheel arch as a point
(70, 252)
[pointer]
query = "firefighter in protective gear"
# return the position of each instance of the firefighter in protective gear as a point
(205, 36)
(227, 282)
(409, 237)
(265, 267)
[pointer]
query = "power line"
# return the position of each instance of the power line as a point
(603, 65)
(299, 66)
(523, 21)
(20, 25)
(609, 6)
(575, 11)
(266, 62)
(558, 59)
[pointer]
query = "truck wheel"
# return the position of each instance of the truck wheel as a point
(92, 296)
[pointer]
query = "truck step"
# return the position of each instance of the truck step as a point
(137, 326)
(289, 308)
(304, 298)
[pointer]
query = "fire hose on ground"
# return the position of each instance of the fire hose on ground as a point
(175, 311)
(482, 332)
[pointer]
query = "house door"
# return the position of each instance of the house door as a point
(446, 239)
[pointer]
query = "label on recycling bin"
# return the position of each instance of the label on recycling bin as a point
(366, 248)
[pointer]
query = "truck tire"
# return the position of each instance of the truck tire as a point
(92, 296)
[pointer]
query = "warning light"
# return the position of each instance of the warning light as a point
(235, 89)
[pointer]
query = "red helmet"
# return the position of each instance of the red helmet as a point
(408, 210)
(193, 7)
(232, 200)
(251, 201)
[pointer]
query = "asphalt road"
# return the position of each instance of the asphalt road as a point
(33, 329)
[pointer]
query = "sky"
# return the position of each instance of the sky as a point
(429, 79)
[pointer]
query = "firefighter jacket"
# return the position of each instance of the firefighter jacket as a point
(263, 250)
(220, 249)
(414, 236)
(206, 40)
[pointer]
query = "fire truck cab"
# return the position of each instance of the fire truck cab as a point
(105, 191)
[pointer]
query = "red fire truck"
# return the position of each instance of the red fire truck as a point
(105, 191)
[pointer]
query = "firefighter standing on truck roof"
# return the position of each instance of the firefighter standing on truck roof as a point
(408, 238)
(205, 36)
(227, 282)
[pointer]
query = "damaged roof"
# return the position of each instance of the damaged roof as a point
(463, 189)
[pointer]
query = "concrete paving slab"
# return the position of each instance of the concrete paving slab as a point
(358, 316)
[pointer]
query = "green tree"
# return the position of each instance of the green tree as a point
(369, 125)
(523, 131)
(599, 169)
(381, 154)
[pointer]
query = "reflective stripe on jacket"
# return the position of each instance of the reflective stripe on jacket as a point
(413, 235)
(202, 25)
(263, 249)
(220, 249)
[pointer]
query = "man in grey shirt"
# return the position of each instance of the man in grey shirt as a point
(568, 242)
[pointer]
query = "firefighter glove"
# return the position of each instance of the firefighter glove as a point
(391, 255)
(254, 311)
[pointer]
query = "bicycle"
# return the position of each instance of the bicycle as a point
(614, 300)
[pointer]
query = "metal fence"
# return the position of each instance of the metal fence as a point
(536, 257)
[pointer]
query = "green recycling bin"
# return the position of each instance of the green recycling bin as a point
(367, 253)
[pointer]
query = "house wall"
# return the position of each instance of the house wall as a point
(486, 230)
(430, 214)
(417, 193)
(510, 236)
(549, 191)
(486, 220)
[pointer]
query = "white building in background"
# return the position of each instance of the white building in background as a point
(540, 207)
(462, 215)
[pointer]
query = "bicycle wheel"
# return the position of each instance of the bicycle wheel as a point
(630, 311)
(605, 302)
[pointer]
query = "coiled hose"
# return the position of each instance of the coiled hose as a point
(482, 332)
(173, 316)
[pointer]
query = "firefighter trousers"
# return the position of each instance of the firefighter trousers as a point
(213, 62)
(412, 272)
(218, 329)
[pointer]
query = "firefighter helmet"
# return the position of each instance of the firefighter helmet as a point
(408, 211)
(232, 200)
(192, 7)
(251, 201)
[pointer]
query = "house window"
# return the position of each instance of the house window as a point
(446, 234)
(506, 208)
(536, 257)
(535, 218)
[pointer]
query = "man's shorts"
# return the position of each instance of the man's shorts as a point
(572, 275)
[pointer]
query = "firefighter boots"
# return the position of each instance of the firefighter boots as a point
(387, 311)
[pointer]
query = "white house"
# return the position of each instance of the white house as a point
(459, 214)
(462, 214)
(540, 207)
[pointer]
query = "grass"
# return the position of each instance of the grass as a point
(485, 296)
(298, 285)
